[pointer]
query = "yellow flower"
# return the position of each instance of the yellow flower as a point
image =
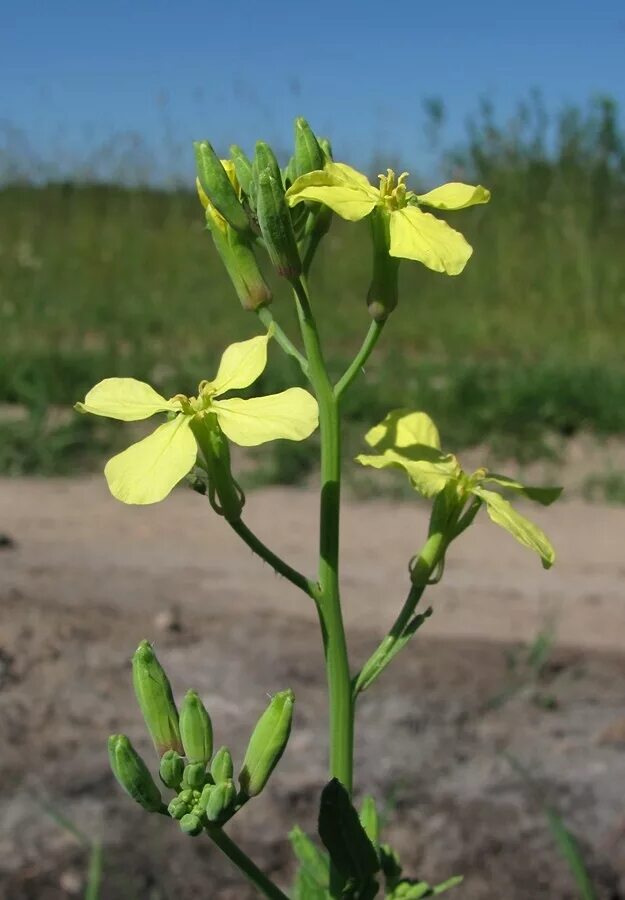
(147, 471)
(412, 233)
(410, 441)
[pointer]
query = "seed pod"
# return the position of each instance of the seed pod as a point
(267, 743)
(218, 187)
(191, 824)
(276, 227)
(222, 767)
(238, 257)
(194, 777)
(171, 769)
(383, 291)
(155, 699)
(243, 169)
(309, 157)
(178, 808)
(132, 773)
(196, 729)
(221, 801)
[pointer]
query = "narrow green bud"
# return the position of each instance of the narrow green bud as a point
(221, 801)
(194, 776)
(171, 769)
(383, 291)
(326, 146)
(222, 767)
(238, 257)
(191, 824)
(196, 729)
(217, 186)
(309, 157)
(265, 158)
(276, 226)
(178, 808)
(155, 699)
(267, 743)
(243, 169)
(132, 773)
(204, 797)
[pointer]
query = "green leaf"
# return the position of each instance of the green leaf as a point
(370, 821)
(531, 536)
(571, 853)
(415, 890)
(340, 830)
(306, 888)
(544, 495)
(312, 860)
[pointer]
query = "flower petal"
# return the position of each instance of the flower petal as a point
(544, 495)
(241, 364)
(343, 189)
(403, 428)
(423, 237)
(293, 414)
(126, 399)
(505, 515)
(429, 474)
(147, 471)
(455, 195)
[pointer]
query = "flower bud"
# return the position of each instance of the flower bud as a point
(196, 729)
(309, 157)
(171, 770)
(326, 146)
(194, 776)
(243, 169)
(155, 699)
(222, 767)
(276, 226)
(217, 186)
(383, 291)
(191, 824)
(238, 257)
(265, 158)
(132, 773)
(267, 743)
(221, 801)
(178, 808)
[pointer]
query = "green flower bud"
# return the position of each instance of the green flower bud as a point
(204, 797)
(191, 824)
(265, 158)
(267, 743)
(217, 186)
(178, 808)
(243, 169)
(221, 801)
(309, 157)
(196, 729)
(383, 291)
(326, 146)
(238, 257)
(194, 776)
(222, 767)
(155, 699)
(171, 769)
(132, 773)
(276, 226)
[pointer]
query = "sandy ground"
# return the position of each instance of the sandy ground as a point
(87, 578)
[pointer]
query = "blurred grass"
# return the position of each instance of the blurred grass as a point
(100, 279)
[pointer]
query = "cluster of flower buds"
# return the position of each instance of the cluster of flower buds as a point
(205, 791)
(245, 206)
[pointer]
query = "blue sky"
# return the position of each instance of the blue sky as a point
(75, 73)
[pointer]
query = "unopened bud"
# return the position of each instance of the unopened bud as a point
(178, 808)
(196, 729)
(243, 169)
(222, 767)
(217, 186)
(383, 291)
(265, 158)
(326, 146)
(309, 156)
(221, 801)
(237, 255)
(267, 743)
(194, 776)
(132, 773)
(191, 824)
(155, 699)
(276, 226)
(171, 769)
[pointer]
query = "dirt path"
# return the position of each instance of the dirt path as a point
(87, 578)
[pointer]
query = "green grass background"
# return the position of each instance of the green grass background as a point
(100, 279)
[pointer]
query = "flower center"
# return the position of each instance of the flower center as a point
(393, 189)
(192, 406)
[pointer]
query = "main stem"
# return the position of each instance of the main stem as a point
(328, 593)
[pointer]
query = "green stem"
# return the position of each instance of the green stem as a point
(245, 864)
(266, 317)
(281, 567)
(375, 330)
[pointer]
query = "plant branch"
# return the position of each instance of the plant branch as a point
(371, 339)
(242, 861)
(281, 567)
(266, 317)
